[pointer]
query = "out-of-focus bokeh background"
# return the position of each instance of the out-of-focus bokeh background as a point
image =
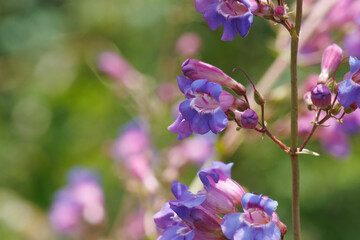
(58, 110)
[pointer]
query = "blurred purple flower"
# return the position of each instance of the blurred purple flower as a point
(80, 202)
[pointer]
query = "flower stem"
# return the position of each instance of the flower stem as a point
(294, 157)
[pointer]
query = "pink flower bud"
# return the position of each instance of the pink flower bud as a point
(265, 10)
(195, 70)
(330, 61)
(279, 11)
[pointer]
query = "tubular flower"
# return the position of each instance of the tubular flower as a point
(331, 60)
(235, 15)
(255, 223)
(349, 89)
(195, 69)
(204, 108)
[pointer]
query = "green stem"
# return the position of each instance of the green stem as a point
(294, 157)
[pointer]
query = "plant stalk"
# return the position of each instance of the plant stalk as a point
(294, 157)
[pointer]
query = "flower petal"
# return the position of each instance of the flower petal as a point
(226, 100)
(202, 5)
(354, 65)
(230, 29)
(200, 123)
(199, 86)
(212, 17)
(244, 23)
(183, 83)
(348, 92)
(181, 232)
(187, 111)
(230, 224)
(218, 121)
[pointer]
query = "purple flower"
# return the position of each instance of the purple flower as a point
(349, 89)
(256, 221)
(204, 108)
(185, 218)
(248, 119)
(321, 96)
(223, 193)
(235, 15)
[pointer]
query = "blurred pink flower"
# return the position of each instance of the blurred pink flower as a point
(167, 91)
(188, 44)
(133, 149)
(134, 227)
(113, 65)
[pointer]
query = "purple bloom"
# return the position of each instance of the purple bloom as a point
(256, 221)
(185, 218)
(203, 111)
(235, 15)
(321, 96)
(248, 119)
(349, 89)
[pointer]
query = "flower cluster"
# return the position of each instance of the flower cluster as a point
(212, 213)
(334, 103)
(207, 104)
(79, 205)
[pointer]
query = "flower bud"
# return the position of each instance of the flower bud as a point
(240, 105)
(248, 118)
(259, 98)
(307, 100)
(279, 11)
(321, 96)
(265, 10)
(330, 62)
(195, 70)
